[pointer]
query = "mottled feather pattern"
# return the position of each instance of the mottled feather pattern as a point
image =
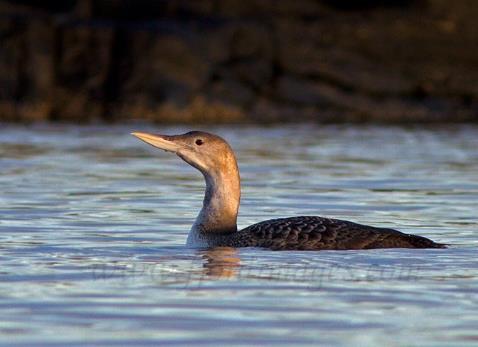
(317, 233)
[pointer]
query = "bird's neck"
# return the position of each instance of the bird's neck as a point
(218, 215)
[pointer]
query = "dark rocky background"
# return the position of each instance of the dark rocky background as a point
(239, 60)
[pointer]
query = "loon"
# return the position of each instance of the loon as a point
(216, 224)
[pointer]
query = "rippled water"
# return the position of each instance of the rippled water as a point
(93, 224)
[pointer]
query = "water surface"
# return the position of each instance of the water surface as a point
(93, 224)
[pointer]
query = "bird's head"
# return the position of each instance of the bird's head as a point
(207, 152)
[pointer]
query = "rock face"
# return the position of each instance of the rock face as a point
(239, 60)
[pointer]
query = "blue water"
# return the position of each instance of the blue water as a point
(93, 224)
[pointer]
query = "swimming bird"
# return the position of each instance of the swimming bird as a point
(216, 224)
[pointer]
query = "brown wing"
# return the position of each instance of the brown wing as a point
(316, 233)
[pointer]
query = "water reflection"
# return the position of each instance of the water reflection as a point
(221, 262)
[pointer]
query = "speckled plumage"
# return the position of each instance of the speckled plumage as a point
(317, 233)
(216, 223)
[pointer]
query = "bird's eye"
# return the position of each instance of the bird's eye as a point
(199, 142)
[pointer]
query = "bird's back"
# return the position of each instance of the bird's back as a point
(317, 233)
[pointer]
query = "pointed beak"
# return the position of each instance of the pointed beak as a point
(163, 142)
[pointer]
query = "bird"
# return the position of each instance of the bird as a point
(216, 224)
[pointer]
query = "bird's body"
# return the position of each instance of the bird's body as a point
(216, 224)
(308, 233)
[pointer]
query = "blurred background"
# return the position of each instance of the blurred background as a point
(251, 61)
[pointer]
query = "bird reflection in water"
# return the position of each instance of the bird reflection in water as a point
(220, 262)
(211, 264)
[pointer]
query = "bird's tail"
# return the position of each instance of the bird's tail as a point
(422, 242)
